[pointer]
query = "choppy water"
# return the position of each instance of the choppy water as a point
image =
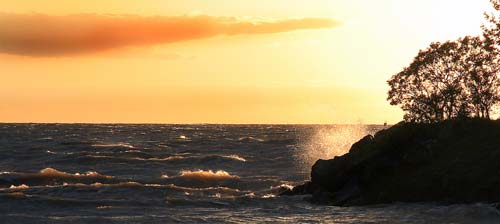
(77, 173)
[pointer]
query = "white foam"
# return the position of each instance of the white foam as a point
(205, 175)
(250, 139)
(235, 157)
(19, 187)
(50, 172)
(269, 196)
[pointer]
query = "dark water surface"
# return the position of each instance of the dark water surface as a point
(113, 173)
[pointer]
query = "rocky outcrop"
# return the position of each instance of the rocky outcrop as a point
(451, 162)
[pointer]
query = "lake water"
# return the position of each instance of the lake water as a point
(115, 173)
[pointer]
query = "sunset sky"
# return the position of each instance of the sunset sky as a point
(215, 61)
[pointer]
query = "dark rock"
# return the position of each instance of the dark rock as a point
(453, 161)
(299, 190)
(361, 144)
(322, 197)
(306, 188)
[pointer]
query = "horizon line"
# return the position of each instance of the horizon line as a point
(194, 123)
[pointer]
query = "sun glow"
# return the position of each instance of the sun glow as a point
(295, 72)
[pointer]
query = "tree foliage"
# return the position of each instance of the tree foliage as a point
(452, 79)
(448, 80)
(482, 84)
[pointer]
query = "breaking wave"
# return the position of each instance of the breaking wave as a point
(168, 158)
(101, 185)
(19, 187)
(225, 189)
(127, 184)
(172, 158)
(47, 175)
(50, 172)
(203, 175)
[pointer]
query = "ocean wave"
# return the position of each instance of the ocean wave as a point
(195, 189)
(128, 184)
(285, 141)
(19, 187)
(268, 196)
(281, 141)
(102, 185)
(202, 175)
(282, 187)
(216, 158)
(83, 185)
(204, 158)
(169, 158)
(113, 145)
(49, 174)
(235, 157)
(44, 139)
(174, 201)
(250, 139)
(15, 195)
(76, 143)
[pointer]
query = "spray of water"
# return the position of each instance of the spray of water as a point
(327, 142)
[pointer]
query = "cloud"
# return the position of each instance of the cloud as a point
(46, 35)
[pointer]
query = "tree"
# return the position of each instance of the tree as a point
(452, 79)
(481, 80)
(429, 90)
(490, 81)
(447, 80)
(491, 29)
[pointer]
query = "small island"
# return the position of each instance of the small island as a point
(454, 161)
(447, 149)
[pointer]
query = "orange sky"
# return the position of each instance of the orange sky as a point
(220, 61)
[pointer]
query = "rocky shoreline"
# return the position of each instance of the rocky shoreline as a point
(455, 161)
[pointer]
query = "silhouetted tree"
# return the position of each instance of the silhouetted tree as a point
(491, 29)
(489, 93)
(447, 80)
(454, 79)
(430, 89)
(481, 81)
